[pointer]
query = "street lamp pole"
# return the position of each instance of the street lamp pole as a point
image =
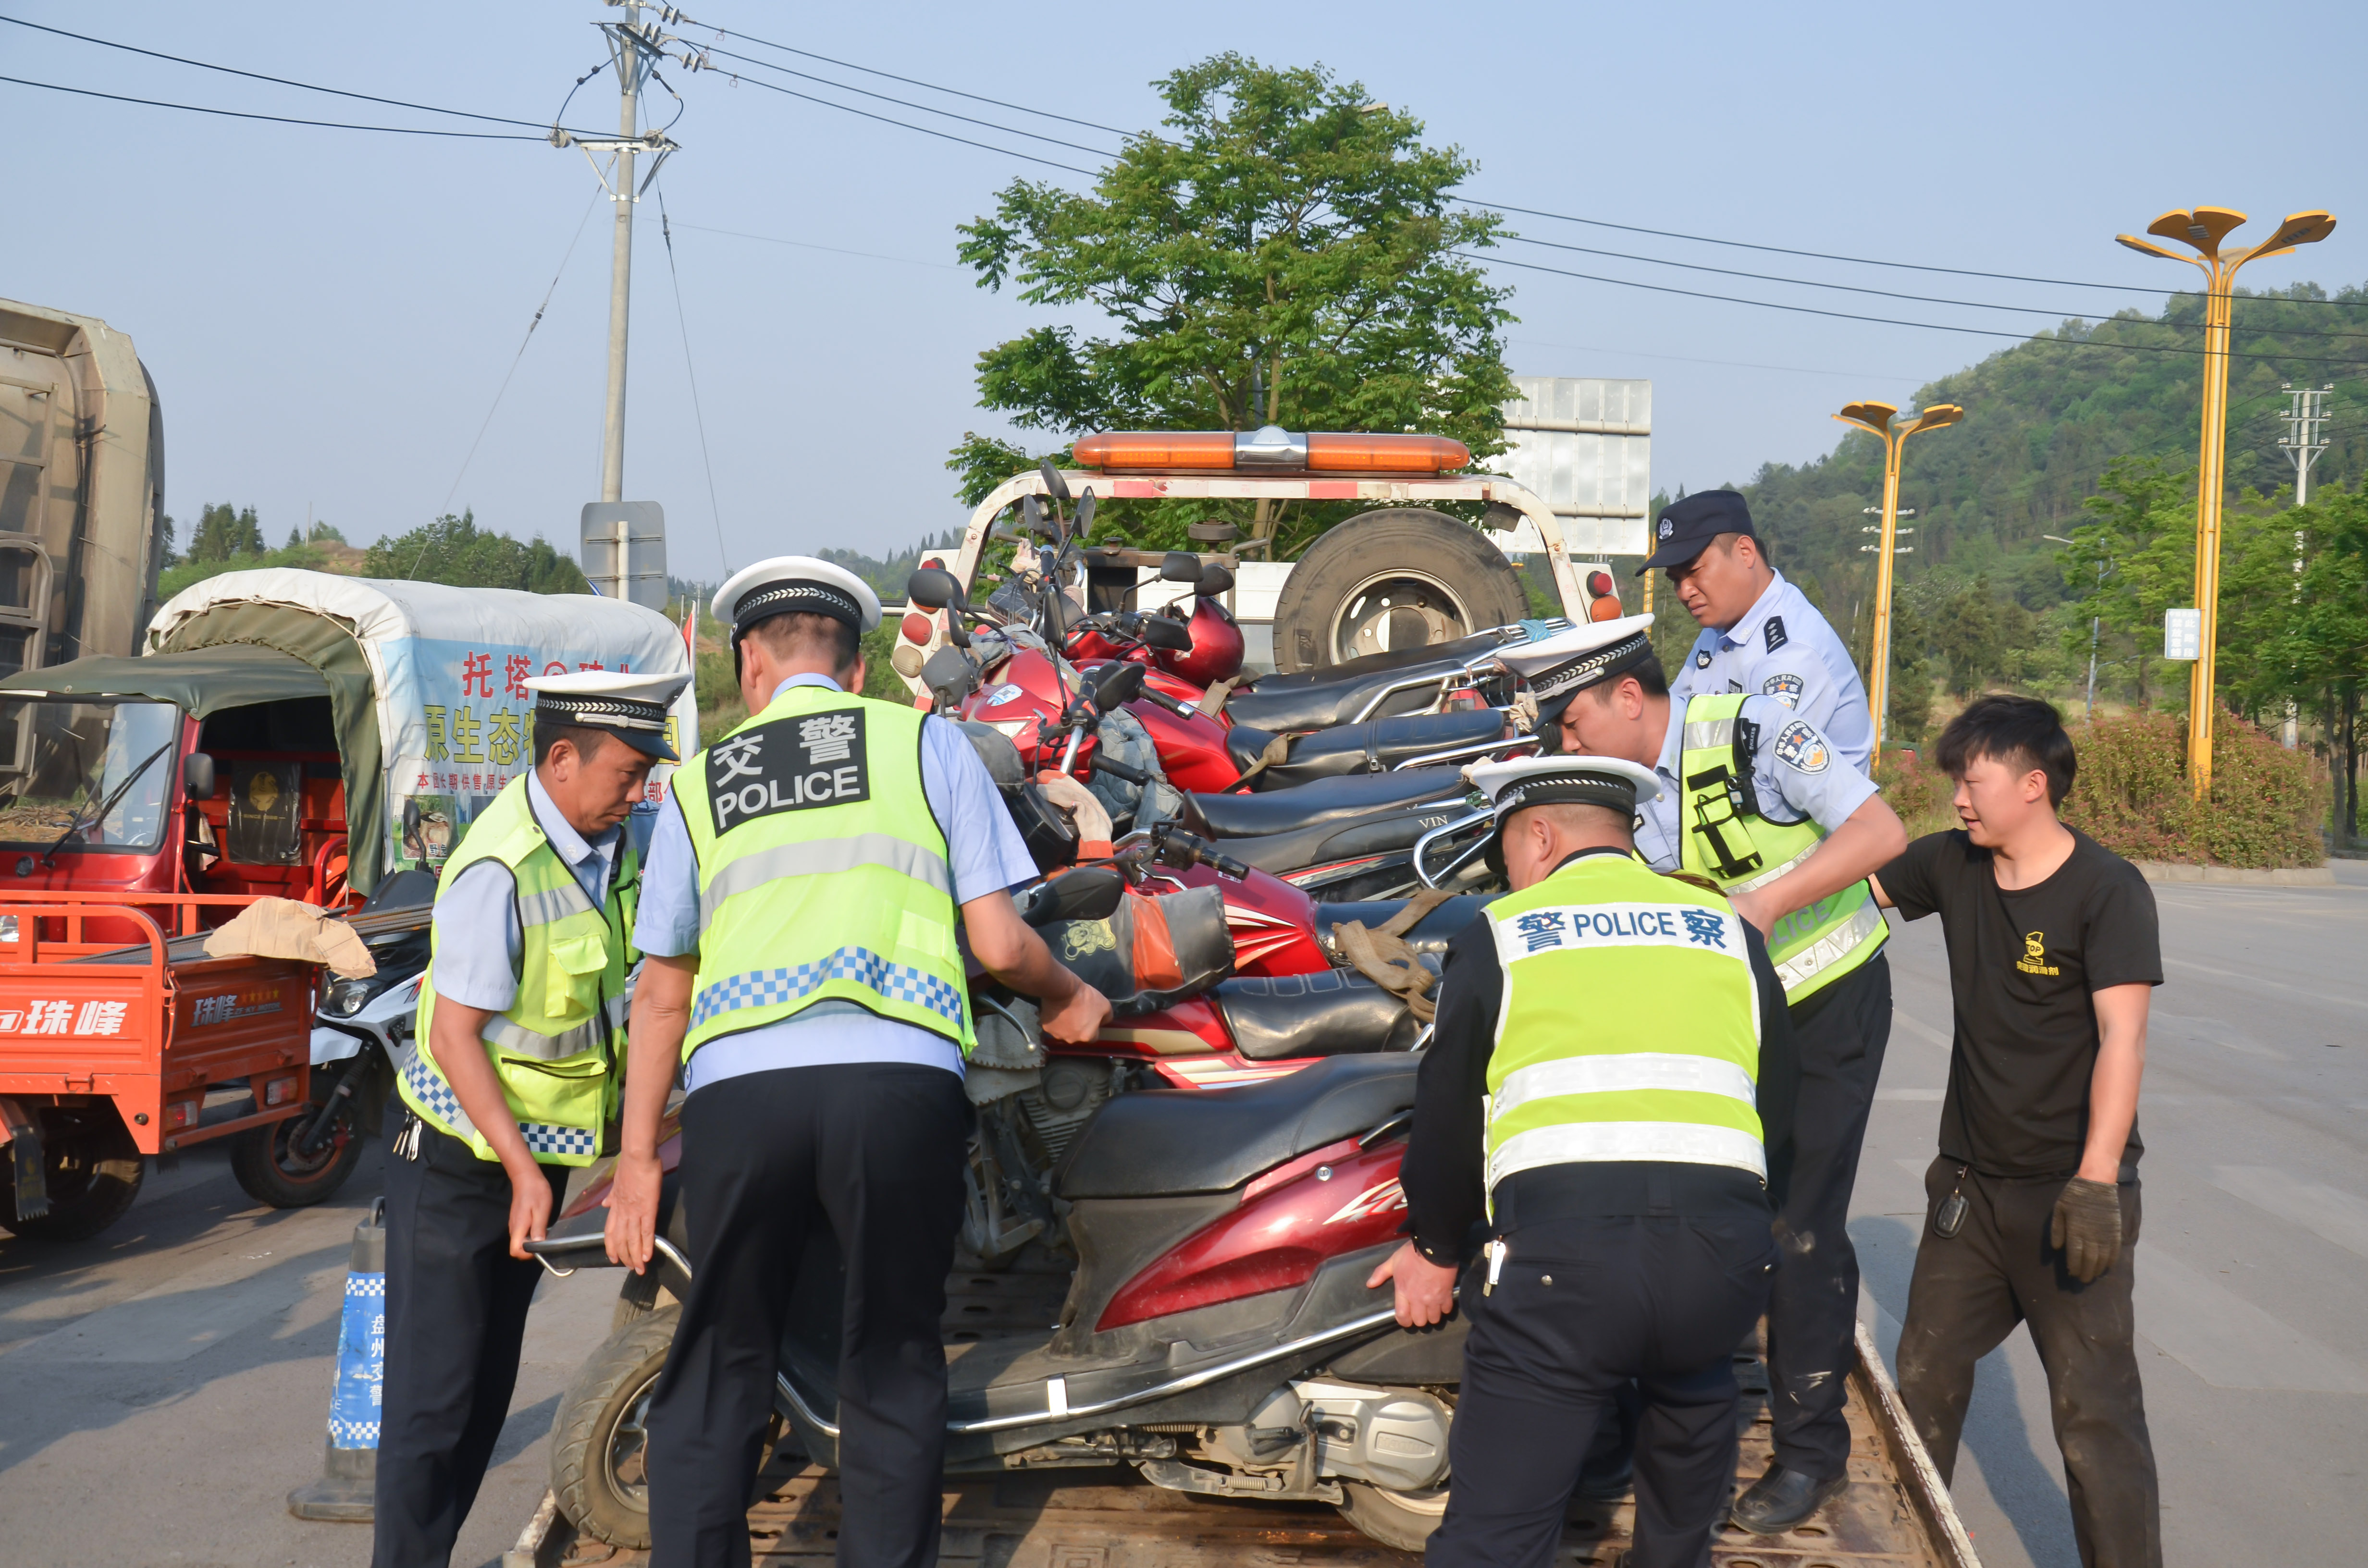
(1876, 418)
(2204, 228)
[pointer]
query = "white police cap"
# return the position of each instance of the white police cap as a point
(632, 708)
(1612, 782)
(1568, 661)
(795, 584)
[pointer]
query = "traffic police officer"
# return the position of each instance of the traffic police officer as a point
(509, 1081)
(800, 913)
(1756, 797)
(1761, 636)
(1608, 1066)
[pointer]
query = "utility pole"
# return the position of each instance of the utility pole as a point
(625, 49)
(2305, 412)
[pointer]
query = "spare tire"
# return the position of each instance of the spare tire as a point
(1397, 578)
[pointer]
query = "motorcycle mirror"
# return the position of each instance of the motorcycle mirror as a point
(1090, 893)
(1169, 636)
(949, 675)
(1038, 523)
(933, 588)
(1215, 579)
(1054, 485)
(1180, 566)
(1082, 522)
(1116, 684)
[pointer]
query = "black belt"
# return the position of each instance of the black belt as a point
(1621, 1188)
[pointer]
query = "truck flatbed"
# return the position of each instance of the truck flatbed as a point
(1895, 1514)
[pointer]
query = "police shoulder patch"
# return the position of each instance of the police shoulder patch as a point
(1701, 660)
(790, 765)
(1800, 747)
(1772, 633)
(1785, 689)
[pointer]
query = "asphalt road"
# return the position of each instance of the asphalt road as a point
(164, 1386)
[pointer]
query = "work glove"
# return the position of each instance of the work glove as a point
(2087, 1227)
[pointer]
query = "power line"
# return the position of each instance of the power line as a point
(835, 250)
(908, 125)
(681, 20)
(1887, 321)
(259, 76)
(275, 119)
(1883, 293)
(903, 103)
(1733, 364)
(714, 506)
(1853, 260)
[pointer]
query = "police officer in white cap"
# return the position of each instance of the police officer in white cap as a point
(1758, 799)
(1609, 1068)
(799, 913)
(511, 1080)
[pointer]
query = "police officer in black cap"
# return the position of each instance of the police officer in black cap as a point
(1760, 634)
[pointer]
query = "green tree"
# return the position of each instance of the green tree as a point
(2137, 559)
(224, 531)
(455, 550)
(1283, 251)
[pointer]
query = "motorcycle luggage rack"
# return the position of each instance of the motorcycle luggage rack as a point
(1477, 748)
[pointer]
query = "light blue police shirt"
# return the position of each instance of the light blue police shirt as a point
(1796, 770)
(1782, 648)
(471, 967)
(984, 850)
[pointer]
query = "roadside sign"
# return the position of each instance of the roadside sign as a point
(2182, 634)
(624, 550)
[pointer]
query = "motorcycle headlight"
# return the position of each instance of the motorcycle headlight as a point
(344, 998)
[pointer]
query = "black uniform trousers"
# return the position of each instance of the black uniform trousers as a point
(456, 1304)
(874, 1151)
(1999, 1269)
(1838, 1035)
(1580, 1307)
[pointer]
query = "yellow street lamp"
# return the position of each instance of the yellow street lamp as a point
(2204, 229)
(1875, 419)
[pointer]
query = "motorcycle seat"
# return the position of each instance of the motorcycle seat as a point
(1293, 709)
(1380, 833)
(1162, 1143)
(1335, 1012)
(1327, 800)
(1374, 747)
(1431, 934)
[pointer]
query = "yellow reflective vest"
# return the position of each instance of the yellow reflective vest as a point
(1723, 837)
(823, 873)
(1629, 1027)
(555, 1049)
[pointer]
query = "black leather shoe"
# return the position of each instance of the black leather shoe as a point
(1782, 1498)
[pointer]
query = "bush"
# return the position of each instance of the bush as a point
(1920, 792)
(2132, 796)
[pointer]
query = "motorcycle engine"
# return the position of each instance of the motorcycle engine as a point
(1063, 1101)
(1395, 1438)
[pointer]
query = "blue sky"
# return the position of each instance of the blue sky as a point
(328, 314)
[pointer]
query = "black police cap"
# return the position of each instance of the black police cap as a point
(1685, 527)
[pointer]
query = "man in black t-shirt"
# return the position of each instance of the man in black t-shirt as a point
(2032, 1206)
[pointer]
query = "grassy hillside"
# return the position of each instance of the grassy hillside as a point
(1982, 595)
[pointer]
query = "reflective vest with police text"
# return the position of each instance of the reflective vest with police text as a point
(822, 874)
(1629, 1024)
(1723, 837)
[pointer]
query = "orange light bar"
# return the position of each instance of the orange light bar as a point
(1385, 454)
(1270, 452)
(1157, 449)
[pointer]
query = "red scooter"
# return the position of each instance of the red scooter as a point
(1216, 1333)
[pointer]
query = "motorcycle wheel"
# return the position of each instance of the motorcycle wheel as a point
(1405, 1520)
(600, 1436)
(266, 1164)
(92, 1177)
(597, 1439)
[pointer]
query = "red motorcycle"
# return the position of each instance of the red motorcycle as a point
(1215, 1332)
